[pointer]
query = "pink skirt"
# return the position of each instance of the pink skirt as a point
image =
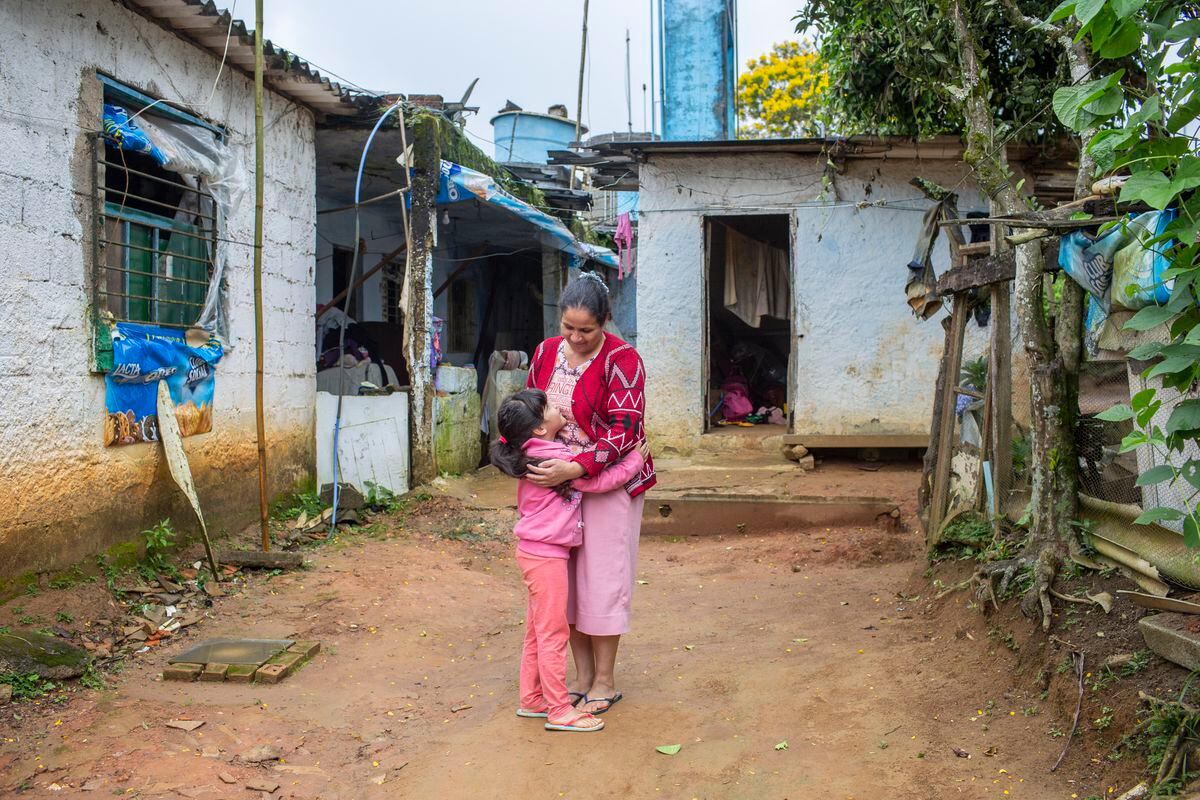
(602, 570)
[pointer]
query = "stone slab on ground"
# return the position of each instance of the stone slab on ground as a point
(182, 672)
(306, 649)
(233, 651)
(270, 673)
(5, 694)
(25, 651)
(1169, 635)
(240, 673)
(214, 672)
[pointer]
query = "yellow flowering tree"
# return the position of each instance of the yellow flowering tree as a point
(780, 95)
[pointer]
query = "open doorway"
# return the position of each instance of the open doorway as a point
(748, 324)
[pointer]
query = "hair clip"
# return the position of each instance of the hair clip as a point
(501, 439)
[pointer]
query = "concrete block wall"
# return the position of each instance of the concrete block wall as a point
(66, 496)
(862, 363)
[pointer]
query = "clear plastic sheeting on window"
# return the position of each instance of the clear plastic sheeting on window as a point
(201, 155)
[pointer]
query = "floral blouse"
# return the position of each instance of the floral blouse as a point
(560, 391)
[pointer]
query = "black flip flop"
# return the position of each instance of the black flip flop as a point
(612, 701)
(578, 697)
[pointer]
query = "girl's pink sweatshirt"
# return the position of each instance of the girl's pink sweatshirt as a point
(551, 525)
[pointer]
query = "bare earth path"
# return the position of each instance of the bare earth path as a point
(734, 652)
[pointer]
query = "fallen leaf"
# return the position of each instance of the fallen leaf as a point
(801, 640)
(668, 749)
(958, 751)
(643, 583)
(782, 745)
(459, 707)
(991, 752)
(689, 647)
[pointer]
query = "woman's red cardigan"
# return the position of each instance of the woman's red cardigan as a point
(609, 404)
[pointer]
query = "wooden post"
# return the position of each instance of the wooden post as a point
(418, 322)
(258, 300)
(1000, 386)
(582, 66)
(945, 433)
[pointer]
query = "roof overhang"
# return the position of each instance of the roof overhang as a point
(204, 25)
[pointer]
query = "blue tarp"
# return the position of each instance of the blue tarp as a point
(459, 184)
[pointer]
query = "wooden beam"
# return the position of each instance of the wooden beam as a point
(1000, 392)
(856, 441)
(978, 272)
(945, 434)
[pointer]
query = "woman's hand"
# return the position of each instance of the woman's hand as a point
(644, 450)
(554, 471)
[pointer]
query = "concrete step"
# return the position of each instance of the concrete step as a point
(690, 513)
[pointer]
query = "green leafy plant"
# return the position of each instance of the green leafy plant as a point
(158, 541)
(64, 617)
(27, 686)
(1104, 721)
(381, 498)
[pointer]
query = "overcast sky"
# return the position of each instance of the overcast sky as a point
(526, 51)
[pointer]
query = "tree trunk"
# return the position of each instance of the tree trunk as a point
(1053, 357)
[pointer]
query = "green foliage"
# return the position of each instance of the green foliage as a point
(299, 502)
(159, 539)
(893, 67)
(381, 498)
(92, 679)
(1143, 121)
(64, 617)
(974, 373)
(29, 686)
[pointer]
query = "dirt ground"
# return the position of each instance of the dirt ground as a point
(804, 664)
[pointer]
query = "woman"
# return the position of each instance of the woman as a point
(598, 383)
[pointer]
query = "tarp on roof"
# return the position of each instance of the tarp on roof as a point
(459, 184)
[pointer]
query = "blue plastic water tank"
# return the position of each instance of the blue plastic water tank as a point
(525, 137)
(699, 69)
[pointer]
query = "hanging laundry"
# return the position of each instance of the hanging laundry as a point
(624, 241)
(1119, 266)
(921, 288)
(756, 279)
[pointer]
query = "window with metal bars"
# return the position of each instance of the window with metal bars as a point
(155, 233)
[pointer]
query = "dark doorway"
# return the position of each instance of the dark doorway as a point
(749, 328)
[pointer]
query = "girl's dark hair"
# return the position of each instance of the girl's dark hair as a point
(516, 420)
(589, 292)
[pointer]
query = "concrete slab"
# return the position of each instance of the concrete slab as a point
(692, 514)
(182, 672)
(1169, 635)
(233, 651)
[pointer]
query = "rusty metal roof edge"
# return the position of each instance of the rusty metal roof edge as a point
(849, 146)
(336, 99)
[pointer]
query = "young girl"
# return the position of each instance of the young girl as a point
(549, 527)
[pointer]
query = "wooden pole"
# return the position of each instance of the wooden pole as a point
(258, 300)
(579, 102)
(945, 433)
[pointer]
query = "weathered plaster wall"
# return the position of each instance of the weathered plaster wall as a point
(65, 495)
(383, 231)
(863, 363)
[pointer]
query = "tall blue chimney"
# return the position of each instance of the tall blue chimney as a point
(698, 68)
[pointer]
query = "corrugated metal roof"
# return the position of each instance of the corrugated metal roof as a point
(203, 24)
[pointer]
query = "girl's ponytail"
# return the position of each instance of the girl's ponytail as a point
(517, 418)
(508, 458)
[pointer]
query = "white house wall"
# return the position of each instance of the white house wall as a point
(863, 363)
(65, 495)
